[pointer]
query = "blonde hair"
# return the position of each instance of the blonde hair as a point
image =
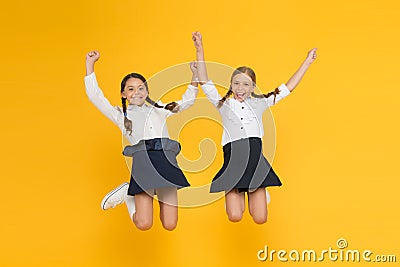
(252, 75)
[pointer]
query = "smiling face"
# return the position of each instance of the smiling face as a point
(135, 91)
(242, 86)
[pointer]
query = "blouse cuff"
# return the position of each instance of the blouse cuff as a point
(283, 90)
(191, 87)
(91, 79)
(90, 76)
(208, 85)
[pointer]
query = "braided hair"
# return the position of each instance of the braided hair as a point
(252, 75)
(274, 93)
(173, 106)
(227, 95)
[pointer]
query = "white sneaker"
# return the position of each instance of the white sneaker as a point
(268, 196)
(115, 197)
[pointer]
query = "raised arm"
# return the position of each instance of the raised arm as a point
(201, 68)
(188, 97)
(191, 92)
(208, 87)
(298, 75)
(195, 75)
(95, 94)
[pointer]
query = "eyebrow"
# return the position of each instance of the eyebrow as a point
(131, 86)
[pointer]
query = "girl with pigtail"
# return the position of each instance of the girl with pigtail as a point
(155, 169)
(245, 169)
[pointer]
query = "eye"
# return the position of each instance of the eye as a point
(141, 88)
(235, 83)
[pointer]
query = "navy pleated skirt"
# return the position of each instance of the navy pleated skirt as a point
(244, 168)
(154, 165)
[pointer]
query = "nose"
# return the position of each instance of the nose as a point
(135, 91)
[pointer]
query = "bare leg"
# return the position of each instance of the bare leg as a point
(234, 205)
(168, 200)
(258, 205)
(143, 218)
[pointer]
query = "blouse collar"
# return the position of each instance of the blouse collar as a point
(136, 107)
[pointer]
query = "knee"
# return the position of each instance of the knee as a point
(169, 224)
(143, 223)
(235, 216)
(259, 218)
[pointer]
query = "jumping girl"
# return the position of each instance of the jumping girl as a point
(245, 169)
(155, 169)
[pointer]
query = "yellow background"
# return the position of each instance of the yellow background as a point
(337, 135)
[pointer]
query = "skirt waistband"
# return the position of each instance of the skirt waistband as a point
(155, 144)
(248, 140)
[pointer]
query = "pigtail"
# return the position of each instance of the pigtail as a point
(127, 122)
(222, 100)
(274, 93)
(173, 106)
(153, 103)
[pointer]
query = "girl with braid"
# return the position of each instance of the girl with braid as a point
(245, 169)
(154, 169)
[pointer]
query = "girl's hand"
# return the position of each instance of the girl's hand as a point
(312, 55)
(92, 57)
(197, 39)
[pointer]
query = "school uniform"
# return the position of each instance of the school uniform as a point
(154, 153)
(244, 167)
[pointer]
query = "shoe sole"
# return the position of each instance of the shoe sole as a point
(103, 202)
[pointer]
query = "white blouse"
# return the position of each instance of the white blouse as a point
(242, 119)
(148, 122)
